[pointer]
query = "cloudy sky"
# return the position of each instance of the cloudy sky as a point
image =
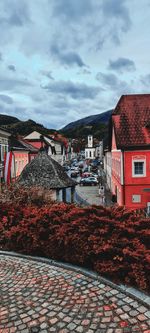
(62, 60)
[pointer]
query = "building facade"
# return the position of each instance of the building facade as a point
(4, 147)
(108, 168)
(130, 151)
(23, 153)
(55, 148)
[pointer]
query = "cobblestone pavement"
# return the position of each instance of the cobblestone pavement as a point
(38, 297)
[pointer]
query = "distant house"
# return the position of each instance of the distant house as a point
(56, 149)
(130, 151)
(23, 153)
(44, 172)
(93, 151)
(4, 147)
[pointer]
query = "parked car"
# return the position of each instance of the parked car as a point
(66, 167)
(75, 169)
(90, 181)
(74, 174)
(95, 175)
(86, 169)
(86, 174)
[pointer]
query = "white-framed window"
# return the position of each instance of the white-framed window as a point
(138, 168)
(136, 198)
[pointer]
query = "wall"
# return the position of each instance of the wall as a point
(107, 168)
(136, 190)
(117, 176)
(136, 185)
(21, 159)
(140, 155)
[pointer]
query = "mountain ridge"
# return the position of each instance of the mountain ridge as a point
(89, 120)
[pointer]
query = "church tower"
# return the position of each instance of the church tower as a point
(90, 141)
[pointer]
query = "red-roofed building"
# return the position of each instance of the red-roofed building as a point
(130, 151)
(56, 149)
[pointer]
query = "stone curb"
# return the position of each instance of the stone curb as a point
(128, 291)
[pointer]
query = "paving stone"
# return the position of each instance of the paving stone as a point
(147, 314)
(42, 298)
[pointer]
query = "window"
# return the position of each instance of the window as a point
(139, 168)
(136, 198)
(90, 154)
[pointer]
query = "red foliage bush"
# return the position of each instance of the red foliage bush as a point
(112, 241)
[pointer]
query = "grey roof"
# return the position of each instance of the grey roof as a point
(45, 172)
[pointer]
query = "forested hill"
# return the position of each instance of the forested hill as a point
(97, 125)
(16, 126)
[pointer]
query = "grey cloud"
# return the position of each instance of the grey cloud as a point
(15, 111)
(122, 64)
(145, 80)
(6, 99)
(15, 13)
(72, 10)
(11, 84)
(117, 9)
(12, 68)
(74, 90)
(86, 71)
(67, 58)
(111, 81)
(48, 74)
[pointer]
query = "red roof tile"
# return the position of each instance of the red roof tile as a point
(131, 121)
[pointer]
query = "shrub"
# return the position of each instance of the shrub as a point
(112, 241)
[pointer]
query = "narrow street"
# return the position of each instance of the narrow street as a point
(89, 193)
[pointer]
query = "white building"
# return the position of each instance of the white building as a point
(90, 149)
(99, 150)
(93, 151)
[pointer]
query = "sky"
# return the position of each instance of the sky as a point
(63, 60)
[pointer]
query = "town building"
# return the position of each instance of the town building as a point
(92, 150)
(22, 154)
(130, 151)
(56, 149)
(108, 168)
(99, 150)
(4, 146)
(44, 172)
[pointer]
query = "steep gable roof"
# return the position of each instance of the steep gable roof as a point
(38, 136)
(131, 119)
